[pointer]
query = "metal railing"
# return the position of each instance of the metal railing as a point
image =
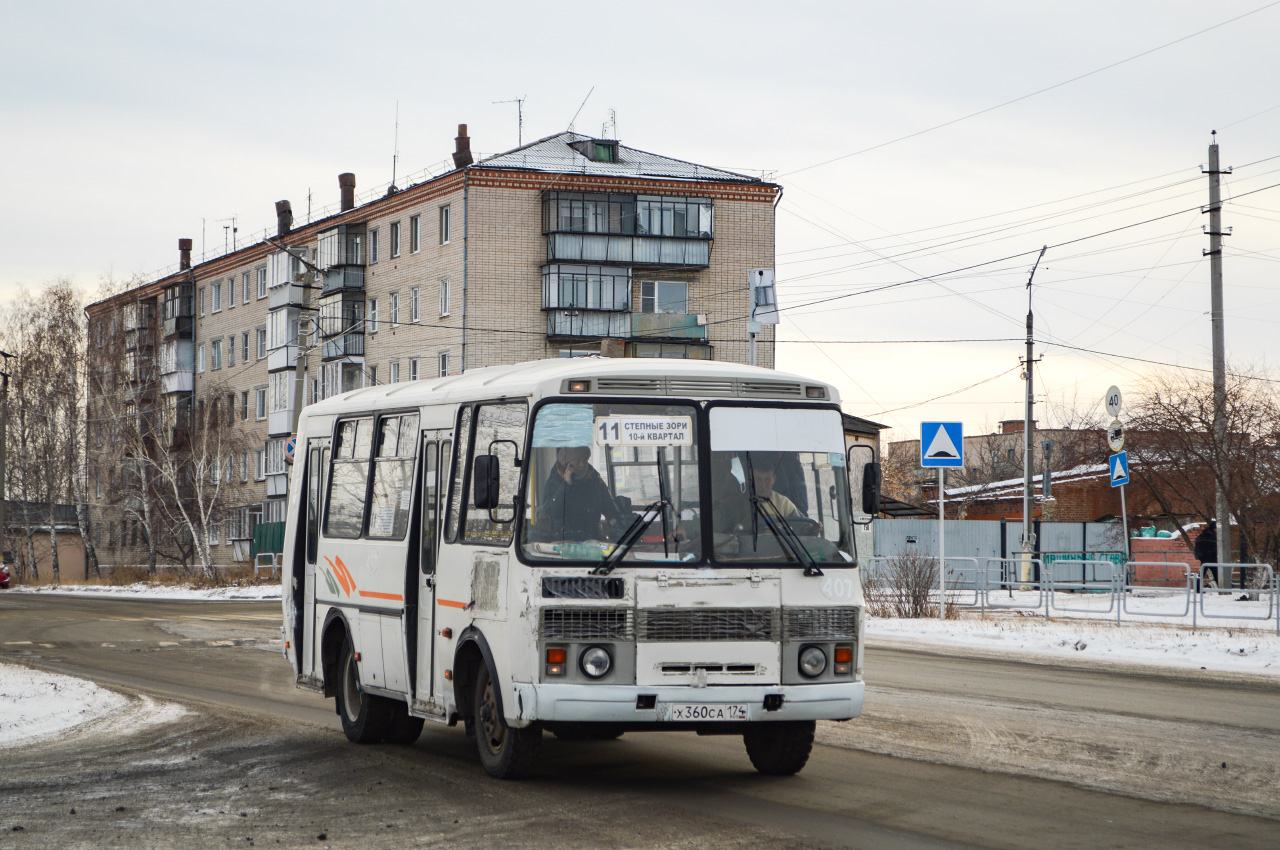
(993, 583)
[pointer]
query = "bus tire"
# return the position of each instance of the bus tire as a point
(505, 752)
(365, 717)
(403, 728)
(780, 748)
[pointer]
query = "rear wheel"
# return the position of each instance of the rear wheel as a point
(505, 752)
(365, 717)
(780, 748)
(403, 728)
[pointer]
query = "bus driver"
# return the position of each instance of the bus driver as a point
(575, 499)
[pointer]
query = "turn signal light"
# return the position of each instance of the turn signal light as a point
(844, 654)
(556, 657)
(579, 386)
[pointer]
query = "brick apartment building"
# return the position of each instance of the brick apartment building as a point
(569, 245)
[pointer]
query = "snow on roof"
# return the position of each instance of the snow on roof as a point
(555, 153)
(997, 488)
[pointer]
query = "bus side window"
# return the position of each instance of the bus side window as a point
(499, 430)
(348, 483)
(456, 486)
(392, 491)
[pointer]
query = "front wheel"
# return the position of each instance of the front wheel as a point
(780, 748)
(365, 717)
(505, 752)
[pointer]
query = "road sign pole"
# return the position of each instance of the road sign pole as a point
(942, 543)
(1124, 518)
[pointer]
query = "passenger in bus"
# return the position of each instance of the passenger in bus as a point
(733, 507)
(576, 501)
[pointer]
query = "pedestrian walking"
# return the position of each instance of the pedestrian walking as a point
(1206, 552)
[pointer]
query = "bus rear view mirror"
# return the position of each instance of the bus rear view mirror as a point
(871, 489)
(485, 478)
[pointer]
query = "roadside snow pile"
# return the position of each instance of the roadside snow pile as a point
(164, 591)
(1230, 649)
(34, 703)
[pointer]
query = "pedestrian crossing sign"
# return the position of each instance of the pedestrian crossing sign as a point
(1119, 464)
(941, 445)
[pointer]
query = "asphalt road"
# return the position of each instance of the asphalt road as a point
(951, 752)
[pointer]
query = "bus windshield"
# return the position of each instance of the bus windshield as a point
(597, 468)
(778, 483)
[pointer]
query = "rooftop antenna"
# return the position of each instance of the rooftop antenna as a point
(584, 103)
(519, 102)
(395, 154)
(229, 231)
(613, 121)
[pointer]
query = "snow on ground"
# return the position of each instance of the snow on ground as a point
(1149, 633)
(143, 590)
(36, 704)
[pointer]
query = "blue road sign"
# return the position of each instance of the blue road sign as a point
(941, 445)
(1119, 464)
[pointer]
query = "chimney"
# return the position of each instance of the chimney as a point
(284, 218)
(347, 182)
(462, 154)
(184, 254)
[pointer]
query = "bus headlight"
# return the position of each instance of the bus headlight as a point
(813, 661)
(596, 662)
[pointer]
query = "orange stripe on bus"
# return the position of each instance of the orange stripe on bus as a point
(449, 603)
(394, 597)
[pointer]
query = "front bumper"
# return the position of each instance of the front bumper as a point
(570, 703)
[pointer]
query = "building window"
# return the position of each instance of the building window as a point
(244, 467)
(213, 533)
(244, 405)
(281, 384)
(259, 465)
(444, 296)
(217, 297)
(413, 368)
(372, 318)
(231, 416)
(262, 343)
(244, 288)
(415, 233)
(395, 309)
(262, 282)
(373, 246)
(413, 305)
(200, 358)
(231, 350)
(444, 363)
(444, 225)
(395, 371)
(215, 354)
(244, 347)
(231, 292)
(371, 376)
(395, 239)
(260, 402)
(664, 296)
(200, 297)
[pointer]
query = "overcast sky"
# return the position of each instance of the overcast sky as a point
(129, 125)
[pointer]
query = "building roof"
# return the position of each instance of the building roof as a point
(556, 154)
(522, 378)
(858, 425)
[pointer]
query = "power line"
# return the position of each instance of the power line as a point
(1034, 93)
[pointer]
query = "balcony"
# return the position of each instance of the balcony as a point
(341, 257)
(664, 251)
(177, 366)
(178, 311)
(579, 324)
(346, 345)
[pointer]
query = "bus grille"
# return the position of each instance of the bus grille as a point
(587, 624)
(820, 623)
(709, 624)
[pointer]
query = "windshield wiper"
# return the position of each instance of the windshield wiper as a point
(630, 537)
(786, 535)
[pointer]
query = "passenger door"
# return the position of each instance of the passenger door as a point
(435, 455)
(317, 475)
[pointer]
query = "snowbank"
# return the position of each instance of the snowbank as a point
(35, 704)
(163, 591)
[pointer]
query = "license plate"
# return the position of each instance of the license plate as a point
(708, 711)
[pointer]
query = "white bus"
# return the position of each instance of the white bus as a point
(584, 546)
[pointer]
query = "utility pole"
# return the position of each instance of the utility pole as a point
(1219, 353)
(5, 557)
(1028, 425)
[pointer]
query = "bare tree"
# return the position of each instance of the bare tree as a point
(1173, 454)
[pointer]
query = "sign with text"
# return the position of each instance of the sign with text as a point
(644, 431)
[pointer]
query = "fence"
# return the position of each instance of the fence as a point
(1171, 590)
